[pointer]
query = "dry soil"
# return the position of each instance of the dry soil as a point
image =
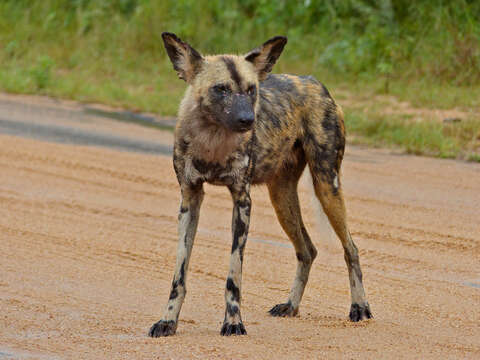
(88, 238)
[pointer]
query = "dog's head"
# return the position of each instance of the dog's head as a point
(225, 87)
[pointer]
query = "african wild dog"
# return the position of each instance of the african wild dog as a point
(238, 126)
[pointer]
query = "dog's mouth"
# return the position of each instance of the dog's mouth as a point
(242, 129)
(242, 125)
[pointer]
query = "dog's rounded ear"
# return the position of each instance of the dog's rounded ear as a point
(265, 56)
(186, 61)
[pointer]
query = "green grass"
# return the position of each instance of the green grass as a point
(451, 140)
(110, 51)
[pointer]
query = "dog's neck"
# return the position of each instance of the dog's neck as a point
(216, 144)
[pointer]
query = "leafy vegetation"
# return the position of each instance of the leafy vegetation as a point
(449, 140)
(110, 51)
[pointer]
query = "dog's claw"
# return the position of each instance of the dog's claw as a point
(163, 328)
(233, 329)
(283, 310)
(359, 312)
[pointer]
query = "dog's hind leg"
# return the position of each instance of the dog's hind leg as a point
(187, 226)
(324, 146)
(334, 207)
(284, 197)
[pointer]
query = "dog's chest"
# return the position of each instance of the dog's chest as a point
(227, 173)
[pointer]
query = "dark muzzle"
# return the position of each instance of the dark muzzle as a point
(243, 114)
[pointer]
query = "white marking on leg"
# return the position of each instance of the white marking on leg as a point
(245, 161)
(174, 305)
(299, 283)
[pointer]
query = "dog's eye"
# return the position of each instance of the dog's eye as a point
(221, 89)
(251, 90)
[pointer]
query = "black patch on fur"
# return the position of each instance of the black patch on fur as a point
(233, 71)
(331, 125)
(233, 289)
(240, 229)
(280, 84)
(181, 281)
(266, 112)
(174, 292)
(253, 96)
(265, 157)
(242, 249)
(215, 170)
(183, 145)
(329, 122)
(282, 107)
(300, 257)
(253, 160)
(284, 91)
(201, 165)
(183, 209)
(243, 203)
(252, 145)
(327, 156)
(174, 55)
(232, 310)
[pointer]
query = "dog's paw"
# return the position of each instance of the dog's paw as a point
(163, 328)
(232, 329)
(359, 312)
(283, 310)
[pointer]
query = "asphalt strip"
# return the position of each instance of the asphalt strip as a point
(71, 135)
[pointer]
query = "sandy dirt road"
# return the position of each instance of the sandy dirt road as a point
(88, 239)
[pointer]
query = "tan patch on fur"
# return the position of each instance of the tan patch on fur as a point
(215, 144)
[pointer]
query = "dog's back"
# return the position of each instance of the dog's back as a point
(296, 113)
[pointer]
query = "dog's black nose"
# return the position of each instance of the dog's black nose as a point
(246, 118)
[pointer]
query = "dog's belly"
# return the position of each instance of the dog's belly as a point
(274, 154)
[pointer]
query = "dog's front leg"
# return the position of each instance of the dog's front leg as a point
(187, 226)
(232, 324)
